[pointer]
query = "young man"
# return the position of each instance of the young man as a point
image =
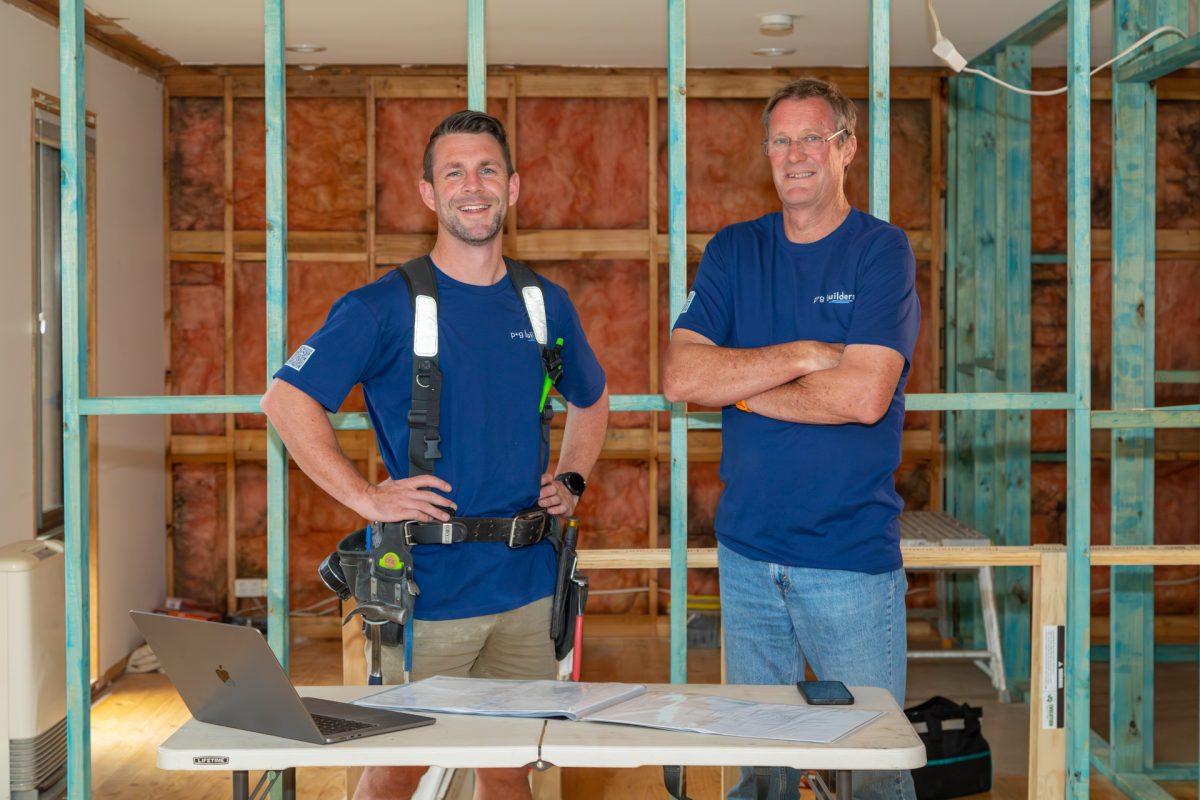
(801, 325)
(484, 607)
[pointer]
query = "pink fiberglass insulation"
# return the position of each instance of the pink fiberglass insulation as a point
(326, 164)
(197, 340)
(316, 524)
(313, 286)
(199, 533)
(614, 309)
(197, 164)
(582, 163)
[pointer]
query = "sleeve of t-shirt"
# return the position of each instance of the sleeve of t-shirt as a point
(886, 309)
(583, 378)
(706, 310)
(331, 361)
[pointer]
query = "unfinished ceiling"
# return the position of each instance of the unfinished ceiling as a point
(619, 33)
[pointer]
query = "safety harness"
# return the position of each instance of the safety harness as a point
(375, 566)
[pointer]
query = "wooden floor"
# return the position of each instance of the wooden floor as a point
(140, 711)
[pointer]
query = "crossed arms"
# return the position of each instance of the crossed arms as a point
(812, 382)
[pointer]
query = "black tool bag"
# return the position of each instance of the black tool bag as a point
(959, 760)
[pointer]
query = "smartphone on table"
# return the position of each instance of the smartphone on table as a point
(825, 693)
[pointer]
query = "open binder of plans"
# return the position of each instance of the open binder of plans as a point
(500, 698)
(624, 704)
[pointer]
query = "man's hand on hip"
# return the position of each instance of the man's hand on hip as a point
(555, 497)
(407, 499)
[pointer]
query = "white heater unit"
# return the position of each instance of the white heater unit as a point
(33, 707)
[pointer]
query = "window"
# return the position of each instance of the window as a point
(47, 312)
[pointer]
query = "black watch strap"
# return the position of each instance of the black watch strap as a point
(573, 481)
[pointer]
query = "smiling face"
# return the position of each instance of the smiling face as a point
(471, 189)
(810, 181)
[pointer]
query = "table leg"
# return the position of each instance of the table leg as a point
(241, 785)
(289, 784)
(845, 790)
(675, 780)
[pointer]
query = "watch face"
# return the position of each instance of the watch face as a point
(573, 481)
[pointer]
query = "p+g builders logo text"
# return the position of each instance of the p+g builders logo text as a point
(835, 298)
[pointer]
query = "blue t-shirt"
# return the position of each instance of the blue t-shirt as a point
(809, 495)
(492, 454)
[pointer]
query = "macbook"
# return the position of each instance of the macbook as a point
(227, 675)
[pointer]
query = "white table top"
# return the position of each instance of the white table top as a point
(479, 741)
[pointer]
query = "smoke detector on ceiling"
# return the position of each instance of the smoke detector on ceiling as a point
(775, 24)
(305, 48)
(774, 52)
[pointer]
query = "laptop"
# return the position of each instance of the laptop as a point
(228, 675)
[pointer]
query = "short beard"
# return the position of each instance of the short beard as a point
(460, 232)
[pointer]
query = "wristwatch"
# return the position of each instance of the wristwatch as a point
(573, 481)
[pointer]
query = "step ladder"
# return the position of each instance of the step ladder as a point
(938, 529)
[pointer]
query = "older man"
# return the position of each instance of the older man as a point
(801, 326)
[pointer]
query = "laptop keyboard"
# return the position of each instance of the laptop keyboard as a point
(330, 726)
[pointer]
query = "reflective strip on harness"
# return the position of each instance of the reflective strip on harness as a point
(425, 326)
(535, 308)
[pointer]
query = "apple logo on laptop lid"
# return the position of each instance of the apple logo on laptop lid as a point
(223, 674)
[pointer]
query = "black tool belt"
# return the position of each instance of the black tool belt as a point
(526, 528)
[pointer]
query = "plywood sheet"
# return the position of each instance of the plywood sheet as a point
(583, 163)
(402, 128)
(197, 340)
(326, 164)
(197, 163)
(313, 286)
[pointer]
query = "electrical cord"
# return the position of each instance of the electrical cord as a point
(944, 49)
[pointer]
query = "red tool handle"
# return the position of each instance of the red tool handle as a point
(577, 661)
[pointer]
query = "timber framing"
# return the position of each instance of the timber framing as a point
(106, 36)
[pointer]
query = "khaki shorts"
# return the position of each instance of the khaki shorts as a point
(513, 644)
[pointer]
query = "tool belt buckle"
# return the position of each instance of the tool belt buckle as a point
(408, 539)
(525, 516)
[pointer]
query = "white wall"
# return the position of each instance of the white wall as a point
(129, 131)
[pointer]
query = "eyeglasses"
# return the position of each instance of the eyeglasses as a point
(812, 144)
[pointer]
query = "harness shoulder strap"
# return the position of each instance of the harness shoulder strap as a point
(424, 414)
(529, 287)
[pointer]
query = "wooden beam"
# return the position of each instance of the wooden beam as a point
(915, 557)
(1160, 62)
(1047, 745)
(106, 36)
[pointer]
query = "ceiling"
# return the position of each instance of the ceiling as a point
(617, 33)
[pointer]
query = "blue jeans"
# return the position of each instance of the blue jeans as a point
(850, 626)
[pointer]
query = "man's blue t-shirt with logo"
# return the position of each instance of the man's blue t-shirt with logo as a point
(492, 454)
(797, 494)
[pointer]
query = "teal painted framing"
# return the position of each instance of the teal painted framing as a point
(1014, 181)
(879, 109)
(1164, 61)
(477, 55)
(1079, 350)
(1131, 670)
(276, 284)
(77, 605)
(677, 287)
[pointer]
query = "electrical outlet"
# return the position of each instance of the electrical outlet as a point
(250, 587)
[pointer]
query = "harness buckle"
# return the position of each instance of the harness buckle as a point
(525, 516)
